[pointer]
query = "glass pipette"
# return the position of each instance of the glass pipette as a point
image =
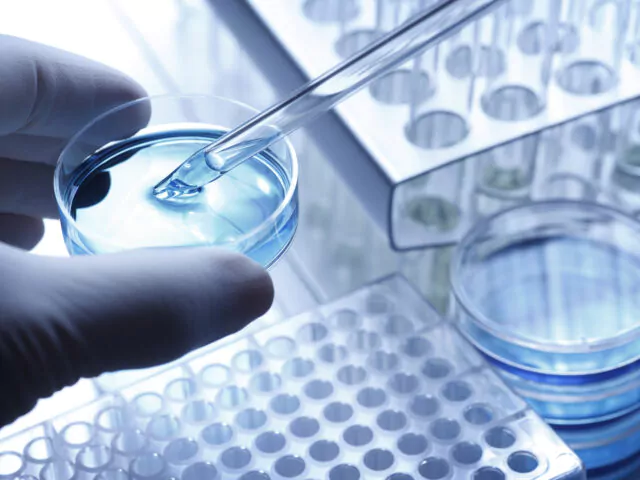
(442, 19)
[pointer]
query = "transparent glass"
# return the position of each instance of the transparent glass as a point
(105, 176)
(552, 287)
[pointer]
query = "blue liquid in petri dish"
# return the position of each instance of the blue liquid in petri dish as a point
(559, 291)
(110, 199)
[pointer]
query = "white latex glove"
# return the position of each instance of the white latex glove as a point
(66, 318)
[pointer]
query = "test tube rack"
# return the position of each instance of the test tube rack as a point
(372, 385)
(524, 67)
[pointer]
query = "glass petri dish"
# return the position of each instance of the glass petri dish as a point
(104, 179)
(552, 287)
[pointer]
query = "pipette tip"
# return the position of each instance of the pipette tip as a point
(173, 190)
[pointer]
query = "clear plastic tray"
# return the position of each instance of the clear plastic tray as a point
(526, 66)
(374, 385)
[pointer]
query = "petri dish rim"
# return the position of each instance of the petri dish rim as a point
(288, 199)
(481, 321)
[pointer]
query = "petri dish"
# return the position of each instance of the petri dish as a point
(552, 288)
(104, 179)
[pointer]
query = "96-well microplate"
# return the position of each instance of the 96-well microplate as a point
(372, 386)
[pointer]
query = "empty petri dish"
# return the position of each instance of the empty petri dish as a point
(105, 194)
(200, 471)
(270, 442)
(502, 270)
(324, 451)
(371, 397)
(290, 466)
(217, 434)
(284, 404)
(235, 458)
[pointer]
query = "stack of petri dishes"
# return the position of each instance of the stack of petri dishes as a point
(549, 293)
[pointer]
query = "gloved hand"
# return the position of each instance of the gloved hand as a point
(66, 318)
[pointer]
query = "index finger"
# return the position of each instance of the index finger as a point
(48, 92)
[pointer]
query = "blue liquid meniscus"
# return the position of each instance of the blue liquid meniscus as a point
(251, 210)
(560, 291)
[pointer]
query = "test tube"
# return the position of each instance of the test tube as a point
(571, 156)
(517, 92)
(624, 181)
(332, 12)
(410, 83)
(506, 174)
(592, 67)
(93, 459)
(433, 201)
